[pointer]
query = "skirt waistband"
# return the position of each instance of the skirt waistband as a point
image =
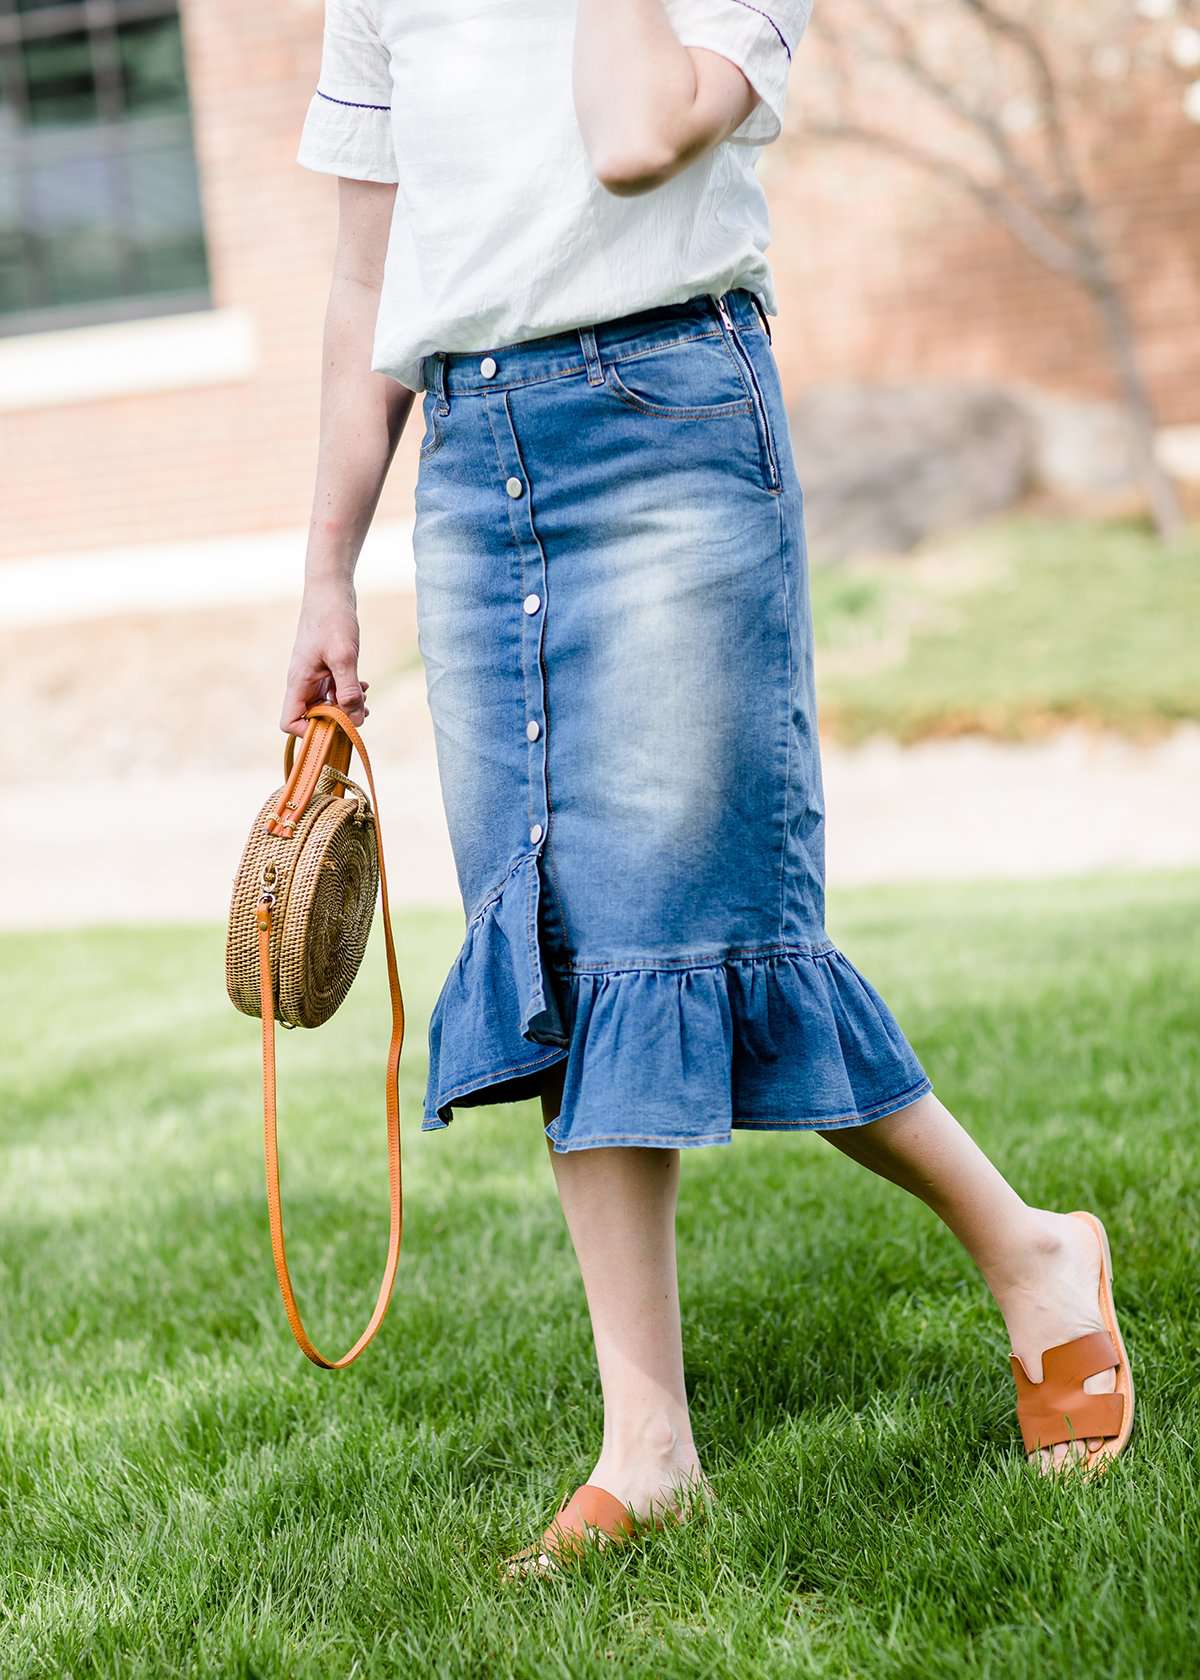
(588, 349)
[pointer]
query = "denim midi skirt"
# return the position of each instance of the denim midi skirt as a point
(613, 616)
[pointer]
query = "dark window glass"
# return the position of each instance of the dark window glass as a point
(15, 291)
(151, 52)
(60, 83)
(100, 212)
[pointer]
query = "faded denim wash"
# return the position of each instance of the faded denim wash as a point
(614, 620)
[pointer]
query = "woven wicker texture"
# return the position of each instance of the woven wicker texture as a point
(325, 880)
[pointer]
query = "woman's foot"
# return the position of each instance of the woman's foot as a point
(660, 1481)
(1042, 1268)
(666, 1485)
(1047, 1287)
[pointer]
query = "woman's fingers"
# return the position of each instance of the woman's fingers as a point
(349, 694)
(348, 689)
(296, 701)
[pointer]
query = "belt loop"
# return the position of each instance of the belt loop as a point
(762, 314)
(587, 338)
(438, 364)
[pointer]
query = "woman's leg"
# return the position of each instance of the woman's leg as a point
(619, 1206)
(1042, 1268)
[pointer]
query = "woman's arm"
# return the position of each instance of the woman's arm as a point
(646, 105)
(362, 416)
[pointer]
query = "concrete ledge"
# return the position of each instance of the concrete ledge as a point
(1179, 451)
(119, 358)
(158, 577)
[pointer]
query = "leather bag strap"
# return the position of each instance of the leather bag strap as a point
(323, 716)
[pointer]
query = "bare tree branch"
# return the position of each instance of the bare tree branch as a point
(1013, 29)
(1055, 252)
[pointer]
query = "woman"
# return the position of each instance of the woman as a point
(550, 224)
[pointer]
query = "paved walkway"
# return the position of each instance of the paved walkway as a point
(161, 846)
(140, 688)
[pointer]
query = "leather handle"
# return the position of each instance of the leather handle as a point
(340, 723)
(289, 750)
(326, 741)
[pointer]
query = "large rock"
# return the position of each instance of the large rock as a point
(1083, 448)
(884, 466)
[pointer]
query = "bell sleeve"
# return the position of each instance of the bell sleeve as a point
(760, 39)
(348, 126)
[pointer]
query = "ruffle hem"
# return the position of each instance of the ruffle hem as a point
(675, 1054)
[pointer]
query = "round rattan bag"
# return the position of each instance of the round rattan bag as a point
(322, 880)
(302, 906)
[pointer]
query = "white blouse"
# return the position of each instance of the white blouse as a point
(500, 230)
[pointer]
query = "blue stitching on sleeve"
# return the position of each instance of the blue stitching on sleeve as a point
(357, 104)
(771, 21)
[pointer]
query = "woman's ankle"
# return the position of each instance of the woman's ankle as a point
(1030, 1244)
(1046, 1287)
(662, 1435)
(645, 1458)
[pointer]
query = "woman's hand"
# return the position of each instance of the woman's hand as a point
(324, 663)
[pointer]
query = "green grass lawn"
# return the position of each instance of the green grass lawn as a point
(183, 1494)
(1012, 629)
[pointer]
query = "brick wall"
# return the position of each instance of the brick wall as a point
(881, 274)
(887, 273)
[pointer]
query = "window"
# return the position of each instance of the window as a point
(100, 213)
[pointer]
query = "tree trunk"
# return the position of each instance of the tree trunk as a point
(1156, 482)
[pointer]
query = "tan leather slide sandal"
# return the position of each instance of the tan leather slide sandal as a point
(1059, 1408)
(590, 1514)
